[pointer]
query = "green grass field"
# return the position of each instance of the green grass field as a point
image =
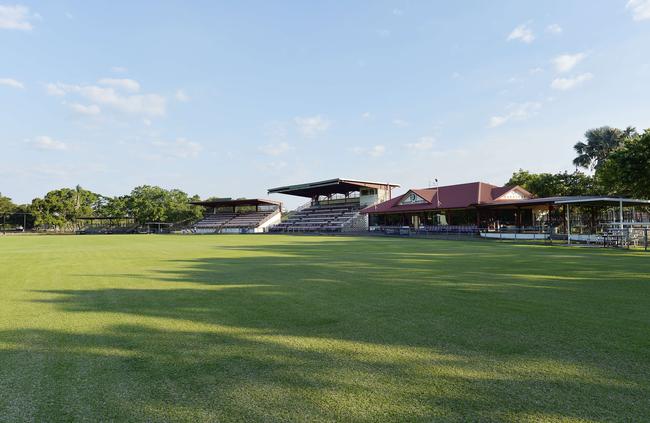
(279, 328)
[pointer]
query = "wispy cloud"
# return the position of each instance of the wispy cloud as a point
(10, 82)
(374, 151)
(90, 110)
(400, 123)
(124, 84)
(398, 12)
(182, 96)
(310, 126)
(119, 69)
(275, 149)
(515, 112)
(565, 62)
(43, 142)
(423, 144)
(564, 84)
(15, 17)
(181, 148)
(640, 9)
(135, 104)
(522, 33)
(554, 29)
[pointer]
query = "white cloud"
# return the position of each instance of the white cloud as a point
(310, 126)
(564, 84)
(640, 9)
(375, 151)
(119, 69)
(54, 89)
(90, 110)
(515, 112)
(366, 115)
(566, 62)
(272, 166)
(124, 84)
(554, 29)
(182, 96)
(275, 149)
(9, 82)
(43, 142)
(535, 71)
(180, 149)
(401, 123)
(423, 144)
(134, 104)
(15, 17)
(522, 33)
(275, 130)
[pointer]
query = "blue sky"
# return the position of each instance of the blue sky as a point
(231, 98)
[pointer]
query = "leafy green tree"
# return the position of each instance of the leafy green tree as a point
(59, 209)
(6, 205)
(154, 204)
(112, 206)
(554, 185)
(626, 171)
(598, 144)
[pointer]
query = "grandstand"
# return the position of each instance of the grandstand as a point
(334, 205)
(225, 215)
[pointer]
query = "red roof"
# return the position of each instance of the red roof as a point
(447, 197)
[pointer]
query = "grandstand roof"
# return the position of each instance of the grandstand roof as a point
(329, 186)
(229, 202)
(449, 197)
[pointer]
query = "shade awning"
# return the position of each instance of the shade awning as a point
(329, 187)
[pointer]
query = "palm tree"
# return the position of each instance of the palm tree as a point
(599, 143)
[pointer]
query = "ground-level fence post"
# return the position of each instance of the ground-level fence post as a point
(645, 239)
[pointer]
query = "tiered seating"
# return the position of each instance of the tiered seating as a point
(248, 220)
(215, 221)
(331, 218)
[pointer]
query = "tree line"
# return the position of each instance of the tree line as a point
(618, 159)
(61, 209)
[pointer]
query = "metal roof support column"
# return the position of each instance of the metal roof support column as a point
(620, 214)
(568, 223)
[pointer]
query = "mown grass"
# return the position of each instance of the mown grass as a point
(278, 328)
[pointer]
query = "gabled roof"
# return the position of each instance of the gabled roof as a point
(458, 196)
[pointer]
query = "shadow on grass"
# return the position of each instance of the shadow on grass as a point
(349, 330)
